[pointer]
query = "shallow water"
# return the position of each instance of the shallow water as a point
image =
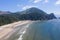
(43, 30)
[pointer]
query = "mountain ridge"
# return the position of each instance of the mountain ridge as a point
(29, 14)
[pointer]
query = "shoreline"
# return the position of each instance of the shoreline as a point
(21, 36)
(7, 29)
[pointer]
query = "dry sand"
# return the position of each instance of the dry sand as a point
(5, 30)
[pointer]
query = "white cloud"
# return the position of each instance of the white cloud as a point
(19, 5)
(46, 1)
(57, 2)
(36, 1)
(27, 6)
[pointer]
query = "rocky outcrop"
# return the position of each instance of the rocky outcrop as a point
(52, 16)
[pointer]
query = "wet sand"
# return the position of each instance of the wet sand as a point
(9, 32)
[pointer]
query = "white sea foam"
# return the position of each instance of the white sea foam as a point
(23, 32)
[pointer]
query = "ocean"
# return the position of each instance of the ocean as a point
(43, 30)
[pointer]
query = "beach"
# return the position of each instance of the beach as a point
(8, 32)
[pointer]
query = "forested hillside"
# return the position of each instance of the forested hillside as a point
(29, 14)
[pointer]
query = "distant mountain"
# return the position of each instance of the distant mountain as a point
(58, 17)
(52, 16)
(36, 14)
(29, 14)
(31, 10)
(4, 12)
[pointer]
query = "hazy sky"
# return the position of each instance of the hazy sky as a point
(18, 5)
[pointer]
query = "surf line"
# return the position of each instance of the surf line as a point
(23, 32)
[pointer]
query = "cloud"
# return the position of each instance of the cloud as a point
(27, 7)
(19, 5)
(46, 1)
(36, 1)
(57, 2)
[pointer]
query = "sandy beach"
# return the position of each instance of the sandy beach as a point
(7, 30)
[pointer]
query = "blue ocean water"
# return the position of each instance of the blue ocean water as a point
(43, 30)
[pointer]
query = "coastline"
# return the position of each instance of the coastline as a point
(23, 32)
(9, 29)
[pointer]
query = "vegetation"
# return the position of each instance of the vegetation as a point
(29, 14)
